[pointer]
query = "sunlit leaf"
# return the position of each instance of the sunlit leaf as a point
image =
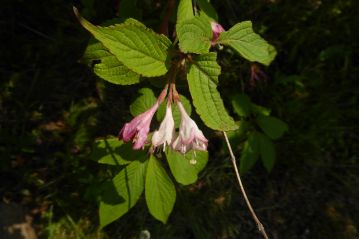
(159, 191)
(185, 167)
(202, 80)
(247, 43)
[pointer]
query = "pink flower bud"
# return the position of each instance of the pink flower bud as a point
(165, 134)
(190, 136)
(216, 30)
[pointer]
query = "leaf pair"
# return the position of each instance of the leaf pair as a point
(140, 174)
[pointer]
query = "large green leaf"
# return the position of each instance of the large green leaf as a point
(106, 65)
(184, 10)
(202, 80)
(138, 48)
(247, 43)
(145, 101)
(113, 151)
(185, 167)
(175, 112)
(194, 35)
(272, 126)
(267, 151)
(159, 191)
(250, 153)
(122, 193)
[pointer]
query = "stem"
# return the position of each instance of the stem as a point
(169, 10)
(254, 216)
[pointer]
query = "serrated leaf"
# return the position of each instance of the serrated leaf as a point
(175, 112)
(250, 153)
(194, 35)
(184, 10)
(267, 151)
(106, 65)
(273, 127)
(241, 105)
(202, 80)
(159, 191)
(145, 101)
(113, 151)
(138, 48)
(247, 43)
(123, 192)
(185, 167)
(207, 9)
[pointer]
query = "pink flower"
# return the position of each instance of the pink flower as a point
(165, 134)
(137, 129)
(190, 136)
(216, 30)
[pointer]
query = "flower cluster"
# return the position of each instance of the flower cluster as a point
(189, 135)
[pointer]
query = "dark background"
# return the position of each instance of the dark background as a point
(53, 107)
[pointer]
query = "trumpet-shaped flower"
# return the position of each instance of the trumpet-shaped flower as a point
(165, 134)
(137, 129)
(190, 136)
(216, 31)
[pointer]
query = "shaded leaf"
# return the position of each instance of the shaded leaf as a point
(145, 101)
(113, 151)
(123, 192)
(207, 9)
(250, 153)
(241, 105)
(267, 151)
(106, 65)
(272, 126)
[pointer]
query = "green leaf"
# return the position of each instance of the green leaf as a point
(185, 167)
(207, 9)
(184, 10)
(248, 44)
(106, 65)
(176, 114)
(194, 35)
(273, 127)
(138, 48)
(267, 151)
(122, 193)
(241, 105)
(113, 151)
(250, 153)
(258, 109)
(202, 80)
(159, 191)
(143, 102)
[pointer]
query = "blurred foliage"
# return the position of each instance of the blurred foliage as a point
(53, 107)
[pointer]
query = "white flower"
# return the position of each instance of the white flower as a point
(190, 136)
(165, 134)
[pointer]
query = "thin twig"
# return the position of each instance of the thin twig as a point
(233, 159)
